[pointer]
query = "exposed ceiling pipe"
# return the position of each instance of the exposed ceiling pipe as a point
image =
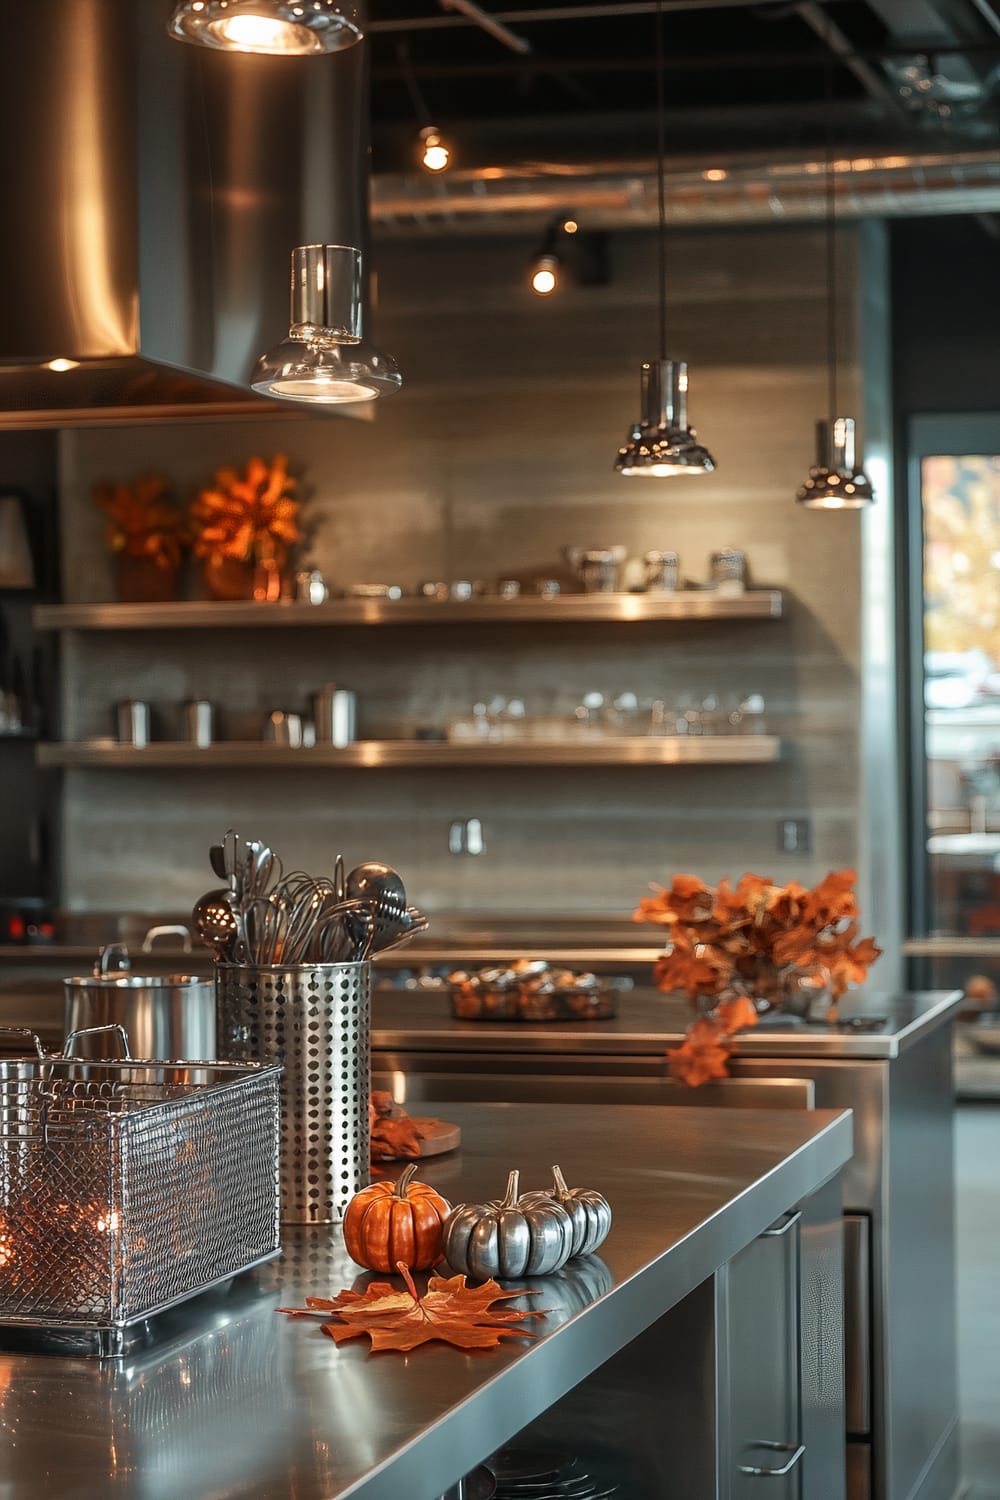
(624, 196)
(544, 14)
(489, 24)
(871, 80)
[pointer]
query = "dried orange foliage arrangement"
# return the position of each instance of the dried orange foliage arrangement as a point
(450, 1310)
(738, 952)
(143, 520)
(251, 517)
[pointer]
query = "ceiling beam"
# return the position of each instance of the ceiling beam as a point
(546, 14)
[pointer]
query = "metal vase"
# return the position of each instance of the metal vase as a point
(316, 1020)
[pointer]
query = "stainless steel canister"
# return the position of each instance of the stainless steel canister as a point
(335, 714)
(316, 1020)
(167, 1017)
(199, 722)
(132, 722)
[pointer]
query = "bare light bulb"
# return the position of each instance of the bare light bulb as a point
(544, 275)
(258, 33)
(436, 155)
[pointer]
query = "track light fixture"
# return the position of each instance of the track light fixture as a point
(567, 248)
(661, 444)
(287, 28)
(324, 359)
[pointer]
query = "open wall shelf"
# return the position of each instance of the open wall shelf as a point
(687, 604)
(699, 750)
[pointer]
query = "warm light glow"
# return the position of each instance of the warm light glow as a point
(436, 154)
(330, 391)
(570, 226)
(715, 174)
(544, 275)
(59, 365)
(109, 1223)
(436, 158)
(260, 33)
(274, 28)
(660, 471)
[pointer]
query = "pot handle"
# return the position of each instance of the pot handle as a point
(178, 930)
(113, 959)
(93, 1031)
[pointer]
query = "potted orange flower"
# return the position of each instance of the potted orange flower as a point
(244, 528)
(738, 953)
(146, 534)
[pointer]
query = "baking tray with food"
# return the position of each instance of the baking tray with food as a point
(532, 989)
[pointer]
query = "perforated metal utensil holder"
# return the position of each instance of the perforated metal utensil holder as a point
(316, 1020)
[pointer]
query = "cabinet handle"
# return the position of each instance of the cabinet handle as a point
(777, 1230)
(758, 1472)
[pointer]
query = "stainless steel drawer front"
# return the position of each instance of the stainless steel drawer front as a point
(857, 1324)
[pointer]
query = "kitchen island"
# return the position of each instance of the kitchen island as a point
(641, 1363)
(889, 1060)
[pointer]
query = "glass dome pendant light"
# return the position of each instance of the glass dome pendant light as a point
(286, 28)
(661, 444)
(324, 359)
(837, 480)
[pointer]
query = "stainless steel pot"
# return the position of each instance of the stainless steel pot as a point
(167, 1017)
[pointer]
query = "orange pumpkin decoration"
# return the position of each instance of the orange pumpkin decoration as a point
(390, 1222)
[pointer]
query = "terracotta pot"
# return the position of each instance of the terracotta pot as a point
(228, 578)
(142, 581)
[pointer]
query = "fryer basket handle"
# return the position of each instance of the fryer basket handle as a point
(26, 1031)
(118, 1029)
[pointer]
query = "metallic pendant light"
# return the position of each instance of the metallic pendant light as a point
(288, 28)
(661, 444)
(837, 481)
(324, 358)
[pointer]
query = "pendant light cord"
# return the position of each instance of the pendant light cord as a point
(831, 253)
(660, 179)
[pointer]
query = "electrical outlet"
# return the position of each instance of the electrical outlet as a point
(465, 836)
(794, 835)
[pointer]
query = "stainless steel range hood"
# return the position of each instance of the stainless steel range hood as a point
(152, 194)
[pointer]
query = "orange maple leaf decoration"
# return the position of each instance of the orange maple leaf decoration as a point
(736, 952)
(250, 517)
(143, 520)
(450, 1311)
(392, 1134)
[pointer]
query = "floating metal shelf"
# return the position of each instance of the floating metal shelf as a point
(688, 604)
(387, 754)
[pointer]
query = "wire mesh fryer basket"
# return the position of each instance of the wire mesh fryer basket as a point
(127, 1186)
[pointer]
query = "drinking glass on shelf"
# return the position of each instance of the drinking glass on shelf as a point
(588, 716)
(752, 711)
(623, 716)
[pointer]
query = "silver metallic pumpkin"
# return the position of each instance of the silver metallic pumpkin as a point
(511, 1238)
(589, 1211)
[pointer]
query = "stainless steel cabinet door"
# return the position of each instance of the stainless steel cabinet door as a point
(760, 1447)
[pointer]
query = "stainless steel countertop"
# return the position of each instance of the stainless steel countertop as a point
(647, 1022)
(247, 1404)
